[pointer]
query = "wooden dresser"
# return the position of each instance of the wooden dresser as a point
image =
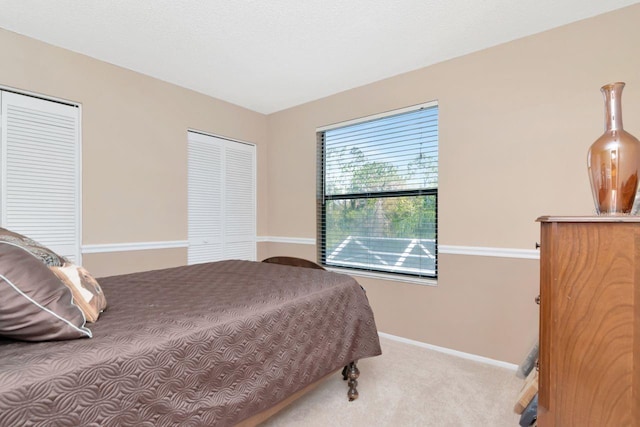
(589, 357)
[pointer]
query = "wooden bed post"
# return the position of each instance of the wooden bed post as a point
(351, 373)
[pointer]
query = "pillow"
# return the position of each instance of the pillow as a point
(34, 304)
(86, 291)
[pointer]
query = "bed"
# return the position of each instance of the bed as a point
(209, 344)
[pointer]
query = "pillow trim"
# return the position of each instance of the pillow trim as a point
(6, 242)
(83, 329)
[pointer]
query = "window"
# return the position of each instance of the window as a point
(221, 193)
(378, 193)
(40, 171)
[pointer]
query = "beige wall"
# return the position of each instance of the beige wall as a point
(516, 121)
(112, 263)
(134, 139)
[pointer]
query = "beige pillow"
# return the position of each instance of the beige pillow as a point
(34, 304)
(86, 291)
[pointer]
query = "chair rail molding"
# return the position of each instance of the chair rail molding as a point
(132, 246)
(442, 249)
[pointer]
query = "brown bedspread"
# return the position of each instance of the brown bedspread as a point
(205, 345)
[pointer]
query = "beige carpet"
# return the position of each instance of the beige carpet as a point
(411, 386)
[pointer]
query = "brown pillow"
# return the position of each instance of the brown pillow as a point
(34, 304)
(86, 291)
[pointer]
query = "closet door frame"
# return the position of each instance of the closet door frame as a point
(226, 144)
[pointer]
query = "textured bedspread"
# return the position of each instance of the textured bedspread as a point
(205, 345)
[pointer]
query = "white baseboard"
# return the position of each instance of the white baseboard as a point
(457, 353)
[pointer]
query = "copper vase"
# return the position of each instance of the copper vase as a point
(614, 159)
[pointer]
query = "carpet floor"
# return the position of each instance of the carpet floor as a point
(411, 386)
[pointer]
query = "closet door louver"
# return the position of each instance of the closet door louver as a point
(240, 212)
(40, 172)
(221, 192)
(205, 194)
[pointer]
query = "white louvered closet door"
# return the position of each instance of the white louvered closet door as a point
(40, 165)
(221, 192)
(205, 192)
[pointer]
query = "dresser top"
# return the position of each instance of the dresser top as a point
(593, 218)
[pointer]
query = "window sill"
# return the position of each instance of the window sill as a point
(383, 276)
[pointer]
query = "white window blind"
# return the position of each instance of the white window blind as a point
(40, 171)
(378, 193)
(221, 192)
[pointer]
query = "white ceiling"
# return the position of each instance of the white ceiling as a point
(268, 55)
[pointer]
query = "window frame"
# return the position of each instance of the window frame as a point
(322, 197)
